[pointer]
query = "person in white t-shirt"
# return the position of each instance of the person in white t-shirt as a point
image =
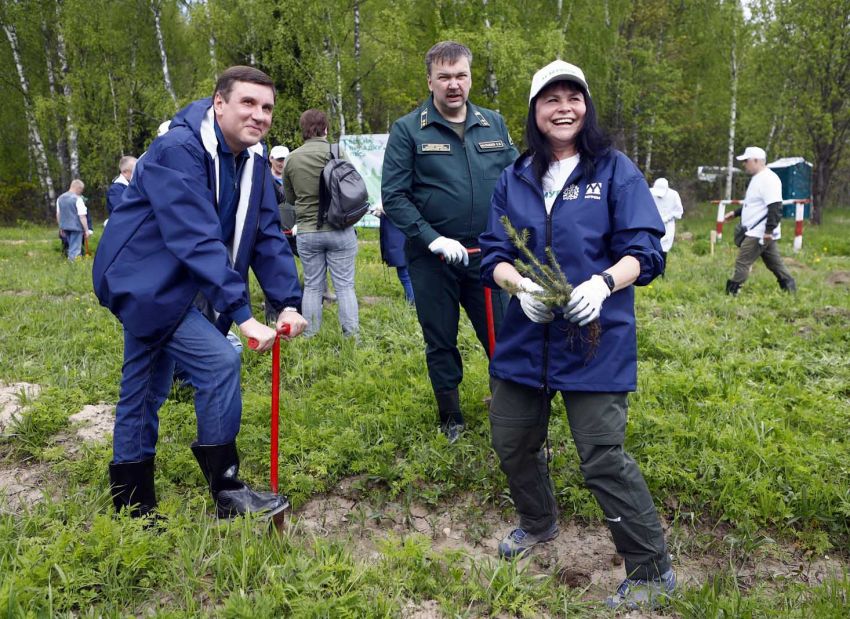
(761, 214)
(669, 206)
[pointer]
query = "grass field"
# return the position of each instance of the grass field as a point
(740, 426)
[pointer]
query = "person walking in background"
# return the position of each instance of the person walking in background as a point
(173, 267)
(669, 206)
(761, 214)
(126, 165)
(590, 204)
(72, 218)
(321, 247)
(440, 165)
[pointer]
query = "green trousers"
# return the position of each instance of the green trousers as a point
(519, 419)
(441, 290)
(750, 251)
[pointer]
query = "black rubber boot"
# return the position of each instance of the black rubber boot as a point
(732, 287)
(132, 486)
(788, 285)
(232, 496)
(451, 417)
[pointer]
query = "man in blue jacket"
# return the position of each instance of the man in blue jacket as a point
(173, 266)
(126, 165)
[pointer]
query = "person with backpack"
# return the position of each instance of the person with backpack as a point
(322, 247)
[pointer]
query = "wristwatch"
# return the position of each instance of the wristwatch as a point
(609, 281)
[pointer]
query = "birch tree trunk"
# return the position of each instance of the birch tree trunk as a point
(212, 41)
(358, 91)
(155, 7)
(61, 146)
(647, 165)
(73, 151)
(339, 96)
(492, 82)
(36, 144)
(733, 112)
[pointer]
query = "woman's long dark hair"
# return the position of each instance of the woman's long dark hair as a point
(592, 142)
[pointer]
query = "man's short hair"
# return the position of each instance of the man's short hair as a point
(447, 52)
(314, 124)
(78, 184)
(240, 73)
(126, 163)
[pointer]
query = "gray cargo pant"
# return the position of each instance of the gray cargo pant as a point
(519, 419)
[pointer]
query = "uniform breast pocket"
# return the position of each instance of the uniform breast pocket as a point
(493, 157)
(433, 160)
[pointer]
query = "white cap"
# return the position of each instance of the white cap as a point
(752, 152)
(163, 128)
(279, 152)
(660, 187)
(555, 72)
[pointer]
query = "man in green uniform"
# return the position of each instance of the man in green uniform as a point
(440, 166)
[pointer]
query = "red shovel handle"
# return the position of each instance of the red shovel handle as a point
(253, 343)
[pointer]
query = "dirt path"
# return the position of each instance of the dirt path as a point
(582, 556)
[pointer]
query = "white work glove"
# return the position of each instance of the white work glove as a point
(89, 233)
(586, 301)
(531, 305)
(378, 210)
(295, 230)
(452, 251)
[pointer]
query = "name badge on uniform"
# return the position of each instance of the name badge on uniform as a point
(436, 148)
(491, 145)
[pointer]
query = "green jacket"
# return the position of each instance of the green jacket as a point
(301, 183)
(433, 184)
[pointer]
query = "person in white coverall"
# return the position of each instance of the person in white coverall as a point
(669, 206)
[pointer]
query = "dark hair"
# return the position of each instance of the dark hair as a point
(240, 73)
(446, 52)
(591, 142)
(313, 123)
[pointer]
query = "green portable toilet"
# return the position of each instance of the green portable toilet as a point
(796, 176)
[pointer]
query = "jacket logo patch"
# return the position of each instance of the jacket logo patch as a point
(593, 191)
(570, 192)
(491, 145)
(436, 148)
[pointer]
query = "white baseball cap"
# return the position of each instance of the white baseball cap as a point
(660, 187)
(752, 152)
(555, 72)
(279, 152)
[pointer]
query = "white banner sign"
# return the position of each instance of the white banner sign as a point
(366, 152)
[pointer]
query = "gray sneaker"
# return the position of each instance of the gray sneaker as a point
(519, 541)
(635, 593)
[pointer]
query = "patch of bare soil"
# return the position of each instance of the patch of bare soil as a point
(367, 300)
(21, 486)
(24, 483)
(581, 557)
(838, 278)
(10, 402)
(685, 236)
(796, 264)
(429, 609)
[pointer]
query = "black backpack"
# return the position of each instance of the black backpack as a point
(343, 197)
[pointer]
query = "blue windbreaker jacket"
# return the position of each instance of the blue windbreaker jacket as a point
(163, 244)
(594, 223)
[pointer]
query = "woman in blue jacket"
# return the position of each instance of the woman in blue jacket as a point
(592, 206)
